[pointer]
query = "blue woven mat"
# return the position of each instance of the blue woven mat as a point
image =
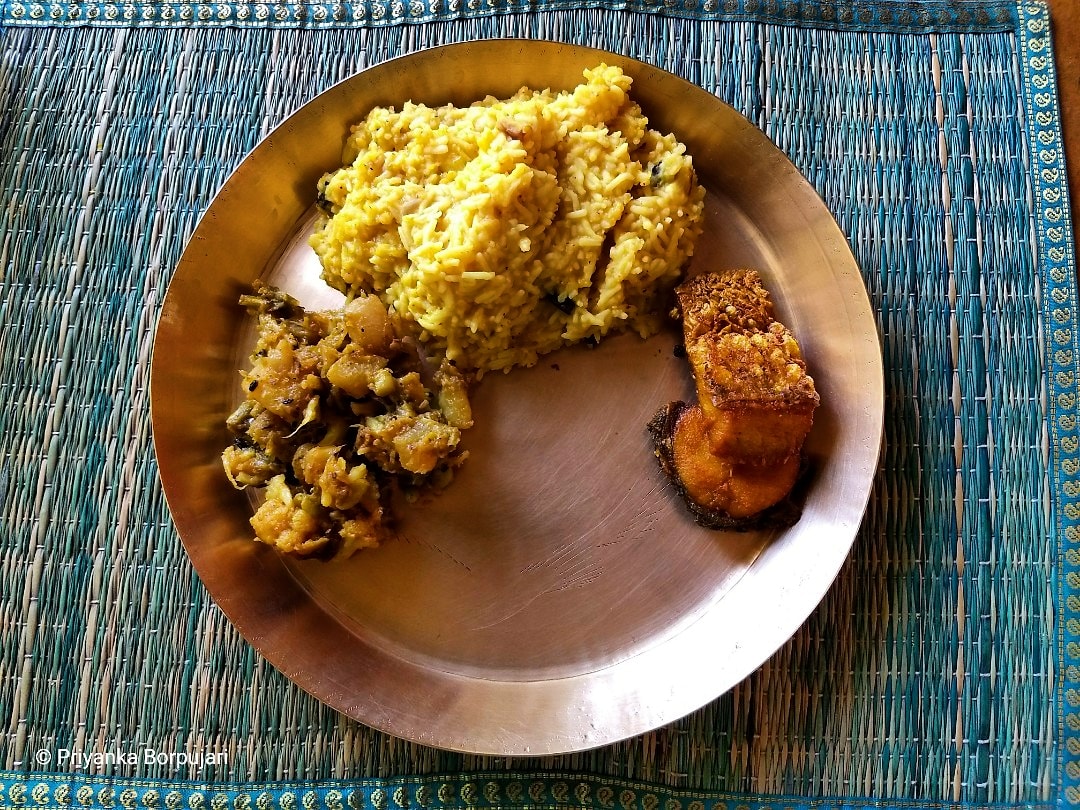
(940, 671)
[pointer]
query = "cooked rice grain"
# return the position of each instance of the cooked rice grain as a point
(509, 228)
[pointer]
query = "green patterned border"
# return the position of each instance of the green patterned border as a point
(890, 15)
(1062, 357)
(484, 791)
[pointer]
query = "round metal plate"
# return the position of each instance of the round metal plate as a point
(557, 596)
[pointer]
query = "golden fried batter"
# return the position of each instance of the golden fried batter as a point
(750, 375)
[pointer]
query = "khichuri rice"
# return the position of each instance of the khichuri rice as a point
(509, 228)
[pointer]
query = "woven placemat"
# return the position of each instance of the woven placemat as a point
(940, 670)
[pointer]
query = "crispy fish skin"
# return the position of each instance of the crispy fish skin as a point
(735, 454)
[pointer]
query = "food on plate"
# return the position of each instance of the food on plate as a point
(736, 453)
(465, 239)
(503, 230)
(340, 409)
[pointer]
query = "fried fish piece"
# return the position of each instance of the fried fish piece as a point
(721, 493)
(736, 453)
(748, 369)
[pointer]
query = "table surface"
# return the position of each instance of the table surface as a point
(897, 688)
(1065, 20)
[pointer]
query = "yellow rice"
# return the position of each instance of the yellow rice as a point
(509, 228)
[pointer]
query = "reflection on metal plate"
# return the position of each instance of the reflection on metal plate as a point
(557, 596)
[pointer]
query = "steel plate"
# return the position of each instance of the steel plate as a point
(558, 596)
